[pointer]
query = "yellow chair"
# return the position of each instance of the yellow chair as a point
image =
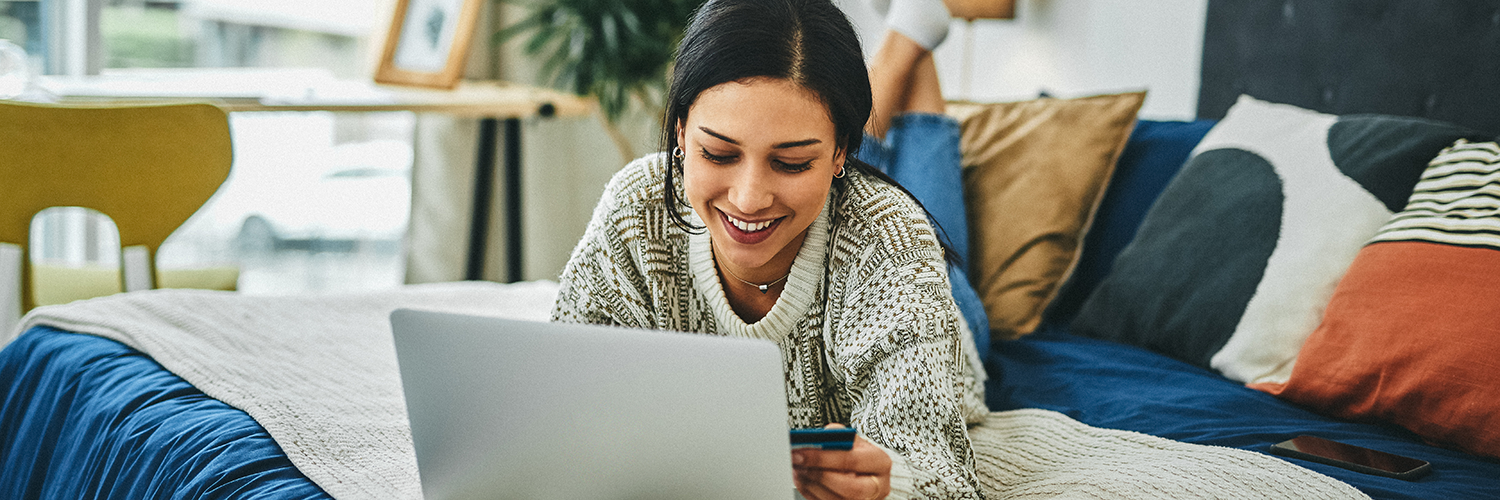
(148, 168)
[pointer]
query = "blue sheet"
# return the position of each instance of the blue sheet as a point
(1112, 385)
(86, 417)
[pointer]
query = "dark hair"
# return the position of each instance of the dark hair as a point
(807, 42)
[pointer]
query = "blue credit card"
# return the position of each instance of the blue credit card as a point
(823, 439)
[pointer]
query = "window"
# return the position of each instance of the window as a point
(21, 23)
(316, 201)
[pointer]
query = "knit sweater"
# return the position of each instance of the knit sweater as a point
(868, 330)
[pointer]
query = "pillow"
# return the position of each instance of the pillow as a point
(1232, 266)
(1410, 335)
(1034, 173)
(1153, 155)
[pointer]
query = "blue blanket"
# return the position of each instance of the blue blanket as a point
(86, 417)
(1112, 385)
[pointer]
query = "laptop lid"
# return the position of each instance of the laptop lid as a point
(517, 409)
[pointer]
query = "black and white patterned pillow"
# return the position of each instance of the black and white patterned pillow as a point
(1235, 262)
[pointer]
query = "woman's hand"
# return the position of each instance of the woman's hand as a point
(860, 473)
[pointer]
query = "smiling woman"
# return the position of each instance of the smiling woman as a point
(755, 221)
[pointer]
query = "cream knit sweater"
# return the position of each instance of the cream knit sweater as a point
(866, 324)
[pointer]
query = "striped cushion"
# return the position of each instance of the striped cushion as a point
(1457, 202)
(1410, 335)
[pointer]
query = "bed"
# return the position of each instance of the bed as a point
(125, 397)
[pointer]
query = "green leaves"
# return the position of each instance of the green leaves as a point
(615, 50)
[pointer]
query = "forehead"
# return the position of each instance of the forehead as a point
(762, 107)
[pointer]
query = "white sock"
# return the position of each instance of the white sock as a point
(923, 21)
(880, 6)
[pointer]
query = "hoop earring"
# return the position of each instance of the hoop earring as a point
(840, 174)
(677, 154)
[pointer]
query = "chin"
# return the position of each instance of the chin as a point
(745, 257)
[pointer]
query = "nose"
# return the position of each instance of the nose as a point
(751, 190)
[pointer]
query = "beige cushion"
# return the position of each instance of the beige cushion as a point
(203, 278)
(1034, 173)
(61, 284)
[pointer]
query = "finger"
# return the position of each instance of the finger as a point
(847, 485)
(863, 457)
(824, 459)
(816, 490)
(873, 462)
(808, 486)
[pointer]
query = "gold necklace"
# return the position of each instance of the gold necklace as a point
(763, 288)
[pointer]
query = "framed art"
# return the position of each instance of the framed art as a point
(428, 42)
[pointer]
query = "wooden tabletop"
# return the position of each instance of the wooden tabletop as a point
(254, 89)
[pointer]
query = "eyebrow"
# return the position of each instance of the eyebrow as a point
(784, 145)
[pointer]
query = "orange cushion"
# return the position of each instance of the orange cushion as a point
(1412, 333)
(1411, 337)
(1034, 173)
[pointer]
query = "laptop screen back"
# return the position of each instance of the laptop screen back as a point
(515, 409)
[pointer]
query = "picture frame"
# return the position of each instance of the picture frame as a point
(428, 43)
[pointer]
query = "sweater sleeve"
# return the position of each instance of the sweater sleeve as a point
(601, 283)
(901, 478)
(588, 286)
(898, 350)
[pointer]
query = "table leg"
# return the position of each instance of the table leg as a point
(513, 199)
(484, 187)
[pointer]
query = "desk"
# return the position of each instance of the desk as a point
(243, 90)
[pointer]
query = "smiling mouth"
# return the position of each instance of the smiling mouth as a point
(750, 227)
(746, 232)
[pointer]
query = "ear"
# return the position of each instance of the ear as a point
(681, 135)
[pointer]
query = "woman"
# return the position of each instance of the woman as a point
(757, 222)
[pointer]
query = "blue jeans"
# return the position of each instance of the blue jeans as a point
(921, 153)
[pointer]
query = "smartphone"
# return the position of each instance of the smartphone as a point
(1352, 457)
(823, 439)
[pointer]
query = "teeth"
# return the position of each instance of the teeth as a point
(748, 227)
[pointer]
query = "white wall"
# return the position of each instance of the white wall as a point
(1071, 48)
(1068, 48)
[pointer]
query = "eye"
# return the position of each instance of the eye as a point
(794, 167)
(718, 159)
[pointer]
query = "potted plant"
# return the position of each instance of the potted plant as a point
(618, 51)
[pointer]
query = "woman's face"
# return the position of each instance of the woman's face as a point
(760, 157)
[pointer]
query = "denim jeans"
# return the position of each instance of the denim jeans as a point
(921, 153)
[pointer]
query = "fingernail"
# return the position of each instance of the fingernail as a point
(797, 459)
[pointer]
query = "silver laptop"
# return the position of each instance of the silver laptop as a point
(517, 409)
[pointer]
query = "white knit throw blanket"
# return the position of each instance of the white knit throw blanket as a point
(1026, 454)
(319, 373)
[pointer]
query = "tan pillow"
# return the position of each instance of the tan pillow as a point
(1034, 173)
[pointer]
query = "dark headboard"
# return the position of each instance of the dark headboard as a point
(1436, 59)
